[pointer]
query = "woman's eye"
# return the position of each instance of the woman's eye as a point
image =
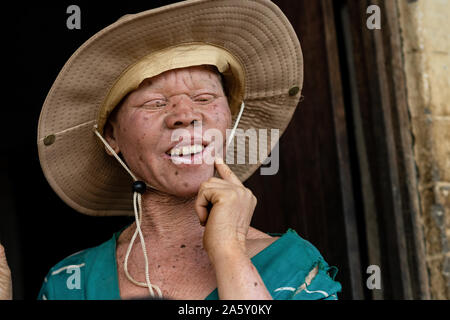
(204, 98)
(156, 103)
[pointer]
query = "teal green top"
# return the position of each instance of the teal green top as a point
(283, 266)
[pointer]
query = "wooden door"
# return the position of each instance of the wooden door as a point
(312, 192)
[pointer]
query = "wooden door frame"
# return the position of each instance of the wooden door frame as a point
(377, 100)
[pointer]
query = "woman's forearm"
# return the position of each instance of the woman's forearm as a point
(237, 277)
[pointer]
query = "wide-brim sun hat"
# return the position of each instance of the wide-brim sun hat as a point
(251, 42)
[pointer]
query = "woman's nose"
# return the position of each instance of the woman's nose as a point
(182, 114)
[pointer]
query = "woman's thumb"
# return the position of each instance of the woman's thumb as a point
(5, 277)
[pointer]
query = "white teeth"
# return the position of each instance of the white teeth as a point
(186, 150)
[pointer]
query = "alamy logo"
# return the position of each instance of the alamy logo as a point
(74, 20)
(374, 20)
(74, 280)
(374, 280)
(251, 146)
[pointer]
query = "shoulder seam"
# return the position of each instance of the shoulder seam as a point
(71, 266)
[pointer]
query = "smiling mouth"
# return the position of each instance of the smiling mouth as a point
(186, 151)
(191, 155)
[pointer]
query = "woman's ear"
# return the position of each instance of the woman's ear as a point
(111, 138)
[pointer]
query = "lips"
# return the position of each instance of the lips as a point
(188, 152)
(181, 151)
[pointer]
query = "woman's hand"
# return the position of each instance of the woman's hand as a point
(224, 239)
(227, 222)
(5, 277)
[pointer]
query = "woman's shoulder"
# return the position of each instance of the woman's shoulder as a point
(293, 267)
(299, 245)
(289, 242)
(257, 241)
(80, 258)
(67, 279)
(293, 251)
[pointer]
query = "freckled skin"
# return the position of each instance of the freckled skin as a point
(169, 222)
(149, 129)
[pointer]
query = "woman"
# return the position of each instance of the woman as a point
(137, 89)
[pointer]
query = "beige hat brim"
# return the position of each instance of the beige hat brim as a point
(255, 32)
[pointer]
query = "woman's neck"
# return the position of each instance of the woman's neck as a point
(168, 220)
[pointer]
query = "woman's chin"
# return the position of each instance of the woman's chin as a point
(188, 186)
(185, 190)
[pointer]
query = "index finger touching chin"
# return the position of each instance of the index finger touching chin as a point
(225, 172)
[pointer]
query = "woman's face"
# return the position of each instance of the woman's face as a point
(145, 129)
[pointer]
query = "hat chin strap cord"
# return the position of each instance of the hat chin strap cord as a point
(137, 204)
(138, 190)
